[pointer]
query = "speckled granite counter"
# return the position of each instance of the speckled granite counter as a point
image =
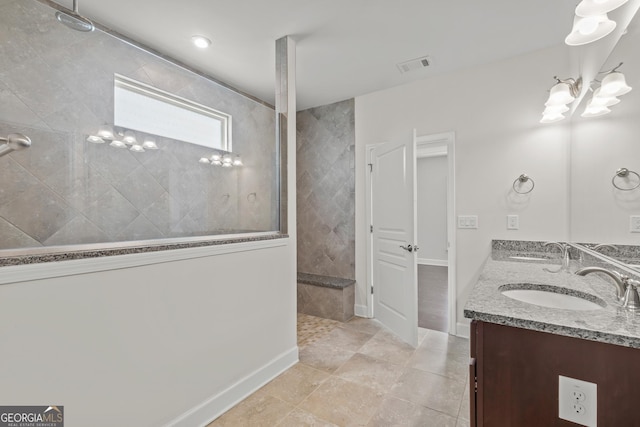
(38, 258)
(611, 324)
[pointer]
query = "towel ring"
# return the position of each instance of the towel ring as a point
(522, 179)
(624, 173)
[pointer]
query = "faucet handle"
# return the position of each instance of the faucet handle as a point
(631, 299)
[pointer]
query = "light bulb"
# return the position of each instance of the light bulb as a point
(105, 132)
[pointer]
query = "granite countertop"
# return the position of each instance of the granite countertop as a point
(611, 324)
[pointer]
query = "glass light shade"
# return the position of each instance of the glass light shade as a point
(226, 165)
(595, 110)
(137, 148)
(237, 161)
(560, 94)
(129, 137)
(149, 144)
(216, 162)
(614, 84)
(603, 100)
(105, 132)
(555, 109)
(204, 160)
(226, 159)
(597, 7)
(589, 29)
(215, 156)
(95, 139)
(551, 118)
(118, 144)
(201, 42)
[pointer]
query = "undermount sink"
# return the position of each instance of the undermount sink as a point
(552, 297)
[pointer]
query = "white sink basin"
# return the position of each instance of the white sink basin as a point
(549, 298)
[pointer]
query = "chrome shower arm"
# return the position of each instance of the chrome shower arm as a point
(13, 142)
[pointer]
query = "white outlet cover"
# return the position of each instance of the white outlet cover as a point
(578, 401)
(513, 222)
(634, 224)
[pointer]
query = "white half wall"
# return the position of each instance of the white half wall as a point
(432, 210)
(494, 111)
(143, 345)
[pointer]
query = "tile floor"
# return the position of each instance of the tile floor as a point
(358, 374)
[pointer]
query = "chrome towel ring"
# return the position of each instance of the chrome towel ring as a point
(625, 173)
(520, 181)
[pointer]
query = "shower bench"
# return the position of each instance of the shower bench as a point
(326, 296)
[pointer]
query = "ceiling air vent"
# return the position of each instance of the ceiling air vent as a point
(414, 64)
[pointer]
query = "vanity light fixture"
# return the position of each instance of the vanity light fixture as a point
(201, 41)
(598, 7)
(612, 86)
(123, 138)
(225, 160)
(562, 93)
(589, 29)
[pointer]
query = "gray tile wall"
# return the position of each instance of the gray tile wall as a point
(56, 86)
(326, 190)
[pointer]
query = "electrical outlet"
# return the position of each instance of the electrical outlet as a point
(578, 401)
(467, 221)
(634, 224)
(513, 222)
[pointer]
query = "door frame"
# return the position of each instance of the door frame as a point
(424, 144)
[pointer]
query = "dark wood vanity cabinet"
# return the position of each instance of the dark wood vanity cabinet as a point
(516, 377)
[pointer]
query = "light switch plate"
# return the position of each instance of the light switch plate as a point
(513, 222)
(467, 221)
(578, 401)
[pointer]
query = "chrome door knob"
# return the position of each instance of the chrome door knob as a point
(407, 248)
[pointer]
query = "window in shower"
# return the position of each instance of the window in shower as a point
(151, 110)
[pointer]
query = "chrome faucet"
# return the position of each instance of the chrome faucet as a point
(626, 288)
(564, 256)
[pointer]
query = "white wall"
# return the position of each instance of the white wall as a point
(432, 209)
(494, 110)
(601, 145)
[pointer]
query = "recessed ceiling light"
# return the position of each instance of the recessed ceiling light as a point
(201, 41)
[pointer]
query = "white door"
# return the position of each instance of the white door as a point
(393, 215)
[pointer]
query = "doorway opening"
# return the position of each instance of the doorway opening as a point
(442, 239)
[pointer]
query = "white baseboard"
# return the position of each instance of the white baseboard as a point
(435, 262)
(463, 329)
(212, 408)
(360, 310)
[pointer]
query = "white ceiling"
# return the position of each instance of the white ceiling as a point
(345, 48)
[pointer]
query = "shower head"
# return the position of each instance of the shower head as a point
(14, 142)
(74, 20)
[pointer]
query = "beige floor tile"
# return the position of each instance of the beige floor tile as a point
(386, 346)
(462, 423)
(312, 328)
(294, 385)
(449, 364)
(326, 358)
(464, 404)
(433, 391)
(361, 324)
(397, 412)
(343, 403)
(370, 372)
(346, 339)
(435, 340)
(300, 418)
(257, 410)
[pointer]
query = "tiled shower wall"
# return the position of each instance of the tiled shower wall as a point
(56, 86)
(326, 190)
